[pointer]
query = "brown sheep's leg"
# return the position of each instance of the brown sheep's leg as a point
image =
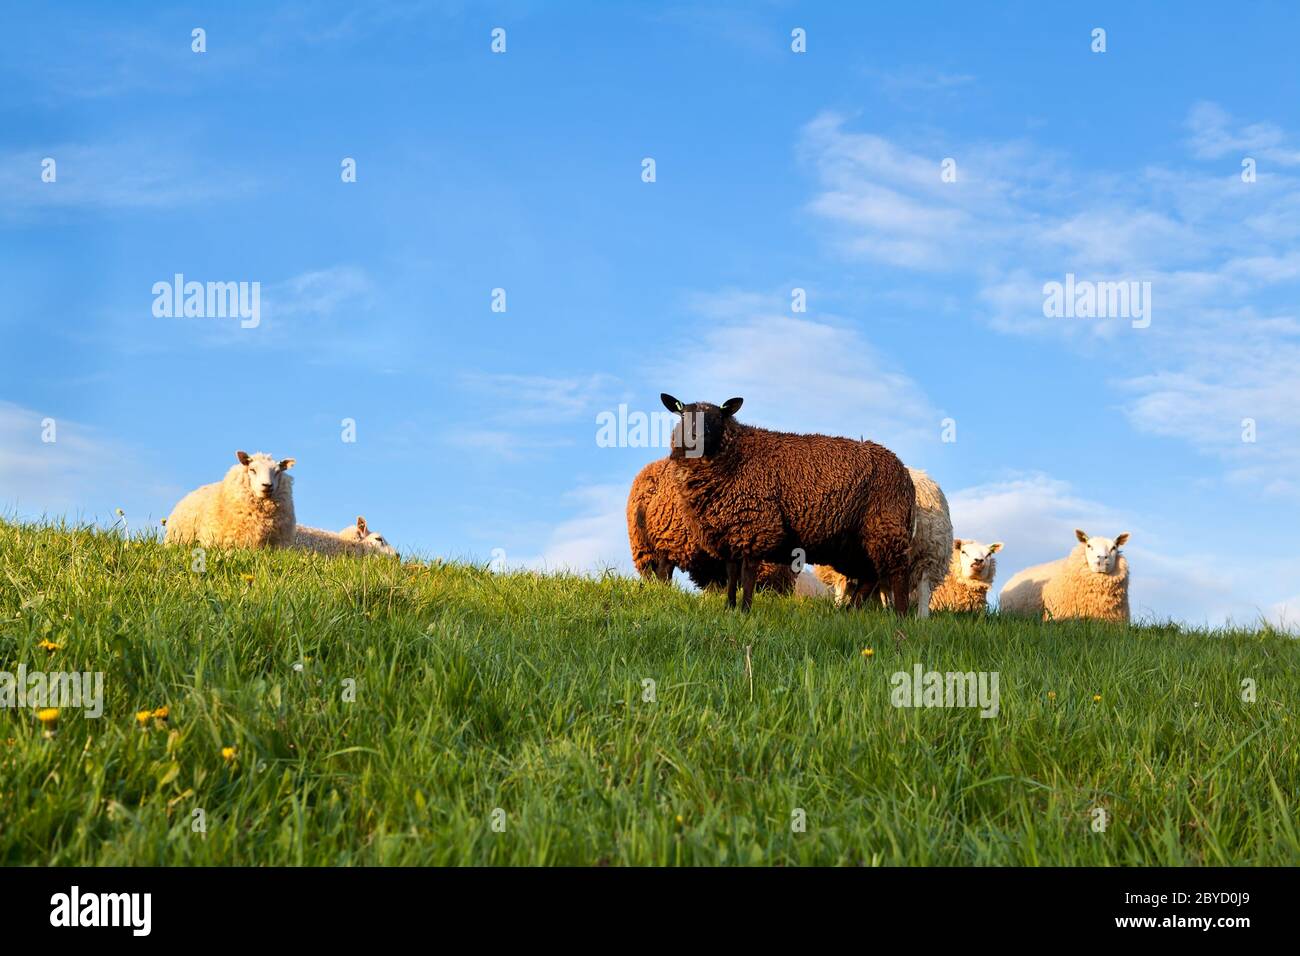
(748, 576)
(664, 569)
(733, 572)
(898, 581)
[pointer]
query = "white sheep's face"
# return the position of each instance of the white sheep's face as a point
(1101, 554)
(371, 541)
(376, 542)
(975, 563)
(263, 473)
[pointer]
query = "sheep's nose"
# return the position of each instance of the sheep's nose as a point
(266, 487)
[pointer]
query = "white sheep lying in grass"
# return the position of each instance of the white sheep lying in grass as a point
(970, 576)
(356, 540)
(252, 507)
(931, 547)
(1090, 582)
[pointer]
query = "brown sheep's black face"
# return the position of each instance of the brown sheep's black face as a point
(699, 431)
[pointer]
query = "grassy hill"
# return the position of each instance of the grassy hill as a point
(476, 691)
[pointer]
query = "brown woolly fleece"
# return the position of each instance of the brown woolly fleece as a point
(757, 495)
(663, 537)
(957, 593)
(1077, 591)
(710, 574)
(228, 514)
(931, 547)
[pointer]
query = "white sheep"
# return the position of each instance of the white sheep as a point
(1090, 582)
(807, 584)
(969, 579)
(252, 507)
(356, 540)
(931, 547)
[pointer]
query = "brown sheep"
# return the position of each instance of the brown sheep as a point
(710, 574)
(662, 537)
(758, 495)
(931, 544)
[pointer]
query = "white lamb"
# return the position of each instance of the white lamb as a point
(252, 507)
(970, 576)
(1090, 582)
(356, 540)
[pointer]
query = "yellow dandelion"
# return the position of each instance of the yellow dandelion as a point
(1051, 695)
(49, 645)
(868, 652)
(228, 753)
(1096, 698)
(162, 712)
(680, 819)
(142, 717)
(49, 716)
(248, 578)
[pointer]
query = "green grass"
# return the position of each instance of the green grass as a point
(477, 691)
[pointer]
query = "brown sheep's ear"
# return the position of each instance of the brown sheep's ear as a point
(1082, 536)
(995, 546)
(672, 404)
(286, 463)
(956, 544)
(731, 406)
(361, 525)
(1120, 541)
(242, 456)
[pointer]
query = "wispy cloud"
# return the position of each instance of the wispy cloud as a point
(593, 539)
(1213, 134)
(1222, 257)
(796, 373)
(911, 81)
(80, 473)
(132, 174)
(540, 399)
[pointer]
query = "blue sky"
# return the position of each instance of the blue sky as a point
(476, 430)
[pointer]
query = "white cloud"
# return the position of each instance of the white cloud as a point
(1034, 515)
(906, 83)
(512, 445)
(1222, 258)
(81, 474)
(797, 374)
(592, 540)
(1213, 134)
(542, 399)
(1285, 615)
(321, 292)
(130, 174)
